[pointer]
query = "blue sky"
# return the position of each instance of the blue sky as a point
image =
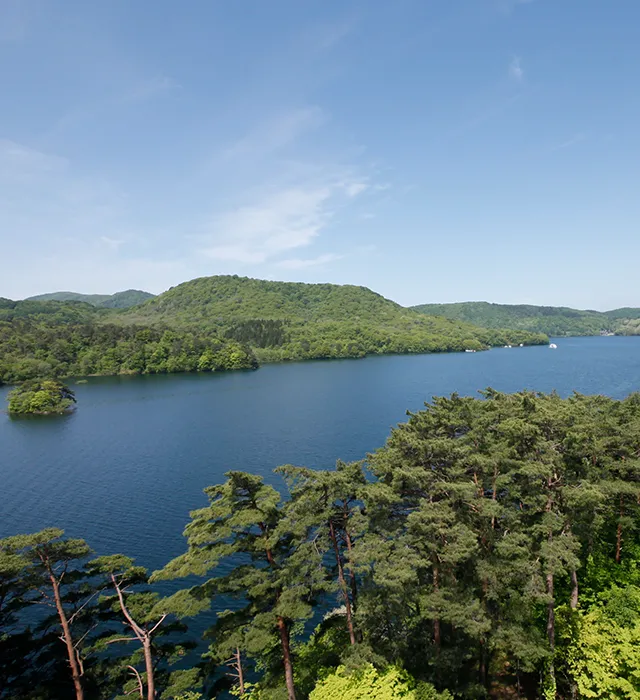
(432, 150)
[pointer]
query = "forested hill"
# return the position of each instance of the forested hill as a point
(552, 320)
(231, 298)
(224, 323)
(287, 320)
(119, 300)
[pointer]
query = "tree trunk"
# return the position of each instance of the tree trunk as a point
(148, 663)
(482, 672)
(283, 629)
(436, 622)
(66, 632)
(343, 583)
(574, 604)
(144, 637)
(352, 573)
(574, 589)
(619, 534)
(494, 495)
(240, 671)
(551, 607)
(286, 658)
(551, 627)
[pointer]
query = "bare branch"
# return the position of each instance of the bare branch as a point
(121, 639)
(153, 629)
(140, 685)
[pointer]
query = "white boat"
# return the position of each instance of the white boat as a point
(467, 350)
(553, 346)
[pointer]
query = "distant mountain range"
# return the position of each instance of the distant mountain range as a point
(552, 320)
(119, 300)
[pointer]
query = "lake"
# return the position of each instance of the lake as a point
(126, 468)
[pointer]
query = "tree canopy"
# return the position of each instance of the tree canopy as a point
(490, 549)
(41, 397)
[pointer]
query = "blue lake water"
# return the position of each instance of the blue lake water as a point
(126, 468)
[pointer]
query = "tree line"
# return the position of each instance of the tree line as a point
(32, 348)
(489, 550)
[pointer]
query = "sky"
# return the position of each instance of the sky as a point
(431, 150)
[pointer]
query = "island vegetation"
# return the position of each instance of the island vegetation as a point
(490, 549)
(221, 323)
(551, 320)
(41, 397)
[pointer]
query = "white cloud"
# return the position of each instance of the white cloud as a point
(284, 220)
(299, 264)
(353, 189)
(515, 69)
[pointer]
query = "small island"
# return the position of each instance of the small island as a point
(41, 397)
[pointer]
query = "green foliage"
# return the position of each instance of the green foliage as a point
(30, 348)
(295, 321)
(371, 684)
(551, 320)
(41, 397)
(490, 549)
(221, 323)
(119, 300)
(603, 656)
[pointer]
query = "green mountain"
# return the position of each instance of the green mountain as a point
(119, 300)
(552, 320)
(291, 320)
(226, 322)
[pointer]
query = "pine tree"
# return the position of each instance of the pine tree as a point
(325, 503)
(276, 573)
(52, 566)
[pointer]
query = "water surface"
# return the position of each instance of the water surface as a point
(124, 471)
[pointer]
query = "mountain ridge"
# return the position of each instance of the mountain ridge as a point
(119, 300)
(552, 320)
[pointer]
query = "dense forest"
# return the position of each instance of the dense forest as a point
(490, 549)
(30, 349)
(218, 323)
(552, 320)
(119, 300)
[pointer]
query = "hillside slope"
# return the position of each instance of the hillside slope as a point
(552, 320)
(287, 320)
(119, 300)
(219, 323)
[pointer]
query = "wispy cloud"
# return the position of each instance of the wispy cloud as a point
(516, 71)
(353, 189)
(148, 89)
(576, 138)
(20, 163)
(111, 243)
(276, 132)
(283, 220)
(302, 263)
